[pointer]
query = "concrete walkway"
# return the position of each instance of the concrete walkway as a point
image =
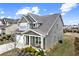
(6, 47)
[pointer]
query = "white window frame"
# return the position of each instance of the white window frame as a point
(39, 40)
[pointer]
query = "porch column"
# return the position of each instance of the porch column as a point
(42, 42)
(29, 41)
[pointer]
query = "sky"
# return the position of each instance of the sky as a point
(69, 11)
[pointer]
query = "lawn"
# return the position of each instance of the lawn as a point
(64, 49)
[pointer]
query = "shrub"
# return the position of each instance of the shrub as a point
(8, 36)
(40, 52)
(32, 51)
(3, 33)
(4, 37)
(1, 39)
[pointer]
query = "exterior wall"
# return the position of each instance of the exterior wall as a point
(20, 41)
(60, 29)
(22, 20)
(2, 31)
(23, 26)
(55, 34)
(11, 29)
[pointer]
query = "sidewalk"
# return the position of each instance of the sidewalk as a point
(6, 47)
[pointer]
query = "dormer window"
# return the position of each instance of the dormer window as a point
(36, 25)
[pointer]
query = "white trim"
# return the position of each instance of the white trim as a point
(21, 19)
(33, 31)
(26, 19)
(52, 25)
(41, 38)
(37, 33)
(32, 35)
(29, 41)
(42, 42)
(32, 17)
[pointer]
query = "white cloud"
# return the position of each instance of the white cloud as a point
(1, 12)
(35, 10)
(66, 7)
(2, 17)
(63, 13)
(23, 11)
(45, 9)
(51, 13)
(9, 17)
(26, 10)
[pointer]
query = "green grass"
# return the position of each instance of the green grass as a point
(64, 49)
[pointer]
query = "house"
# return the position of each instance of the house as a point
(39, 31)
(2, 30)
(8, 26)
(2, 27)
(11, 29)
(11, 25)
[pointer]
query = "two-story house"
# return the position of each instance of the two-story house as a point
(39, 31)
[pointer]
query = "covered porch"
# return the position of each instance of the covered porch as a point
(30, 38)
(35, 41)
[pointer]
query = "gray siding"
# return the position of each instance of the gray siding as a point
(23, 20)
(55, 34)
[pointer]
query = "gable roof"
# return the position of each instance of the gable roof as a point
(47, 22)
(35, 17)
(26, 18)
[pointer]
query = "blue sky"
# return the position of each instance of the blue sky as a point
(69, 12)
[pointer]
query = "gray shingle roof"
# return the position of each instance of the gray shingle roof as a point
(47, 21)
(36, 17)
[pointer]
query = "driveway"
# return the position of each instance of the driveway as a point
(7, 47)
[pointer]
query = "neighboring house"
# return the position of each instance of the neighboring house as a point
(2, 27)
(2, 30)
(39, 31)
(9, 25)
(11, 29)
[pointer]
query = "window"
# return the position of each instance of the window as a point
(36, 25)
(37, 40)
(23, 26)
(27, 39)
